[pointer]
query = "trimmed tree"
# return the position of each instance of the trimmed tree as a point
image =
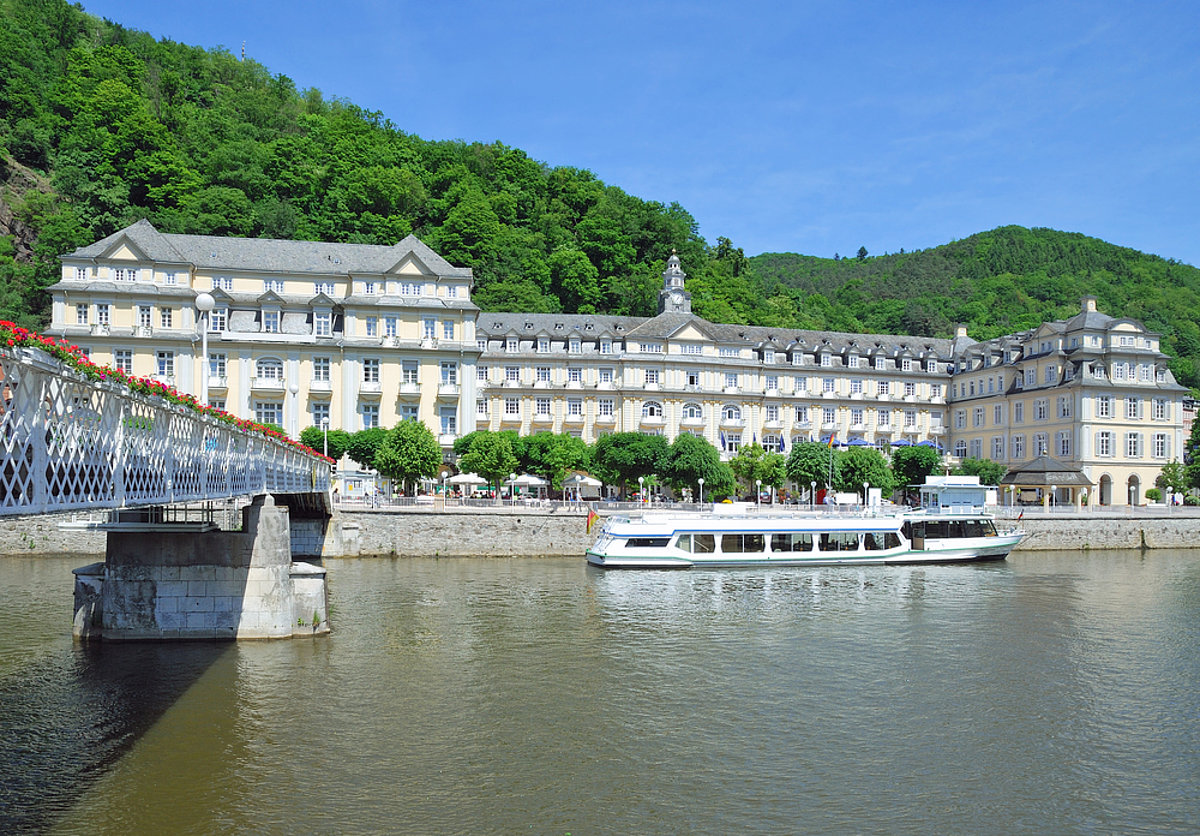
(811, 461)
(409, 453)
(690, 459)
(622, 457)
(864, 464)
(315, 437)
(911, 465)
(491, 456)
(988, 471)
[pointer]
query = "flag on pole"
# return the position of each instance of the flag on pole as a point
(722, 439)
(591, 520)
(832, 438)
(782, 445)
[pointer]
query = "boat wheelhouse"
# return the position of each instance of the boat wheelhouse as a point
(868, 536)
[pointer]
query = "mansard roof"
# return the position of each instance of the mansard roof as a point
(492, 324)
(269, 255)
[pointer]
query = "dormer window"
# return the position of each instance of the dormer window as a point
(931, 366)
(510, 345)
(880, 363)
(322, 323)
(543, 345)
(270, 321)
(218, 318)
(852, 361)
(768, 355)
(574, 346)
(369, 288)
(80, 274)
(606, 346)
(323, 287)
(222, 283)
(826, 359)
(906, 365)
(273, 285)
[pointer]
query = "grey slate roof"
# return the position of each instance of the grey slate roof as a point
(270, 254)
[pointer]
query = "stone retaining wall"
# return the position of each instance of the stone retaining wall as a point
(508, 533)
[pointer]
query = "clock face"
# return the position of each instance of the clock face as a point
(676, 298)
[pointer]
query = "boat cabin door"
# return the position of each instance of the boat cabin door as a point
(916, 534)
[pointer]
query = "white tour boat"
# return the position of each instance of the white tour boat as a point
(738, 536)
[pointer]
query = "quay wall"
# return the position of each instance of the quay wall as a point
(505, 532)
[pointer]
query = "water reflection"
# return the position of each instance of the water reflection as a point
(1050, 693)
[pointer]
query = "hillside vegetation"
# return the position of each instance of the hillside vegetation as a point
(101, 125)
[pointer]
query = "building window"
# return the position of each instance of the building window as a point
(692, 412)
(481, 373)
(216, 365)
(1133, 445)
(542, 374)
(906, 365)
(166, 317)
(856, 416)
(1041, 444)
(1019, 412)
(1018, 447)
(1050, 374)
(960, 449)
(910, 418)
(81, 313)
(410, 372)
(606, 346)
(977, 417)
(998, 414)
(1063, 444)
(1064, 407)
(320, 413)
(408, 412)
(372, 326)
(273, 285)
(605, 407)
(1158, 409)
(1104, 443)
(856, 386)
(1041, 409)
(370, 370)
(976, 448)
(449, 420)
(574, 375)
(931, 366)
(574, 345)
(270, 322)
(651, 377)
(852, 361)
(222, 283)
(574, 406)
(1133, 408)
(998, 448)
(910, 390)
(652, 409)
(1160, 445)
(370, 415)
(543, 345)
(102, 315)
(428, 328)
(165, 363)
(541, 406)
(268, 412)
(1104, 406)
(323, 287)
(828, 384)
(828, 415)
(389, 326)
(512, 374)
(731, 412)
(144, 316)
(512, 406)
(218, 319)
(123, 360)
(449, 373)
(826, 359)
(883, 418)
(269, 368)
(447, 329)
(321, 366)
(802, 415)
(881, 363)
(481, 406)
(885, 387)
(960, 419)
(323, 324)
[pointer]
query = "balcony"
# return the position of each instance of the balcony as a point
(773, 425)
(829, 426)
(409, 391)
(101, 330)
(267, 385)
(542, 418)
(802, 425)
(510, 418)
(652, 421)
(606, 419)
(695, 421)
(884, 396)
(390, 341)
(370, 389)
(448, 391)
(574, 418)
(447, 439)
(322, 386)
(937, 429)
(652, 387)
(733, 422)
(730, 390)
(143, 331)
(217, 382)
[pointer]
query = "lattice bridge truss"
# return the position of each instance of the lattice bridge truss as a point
(69, 442)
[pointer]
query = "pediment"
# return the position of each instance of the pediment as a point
(410, 265)
(123, 249)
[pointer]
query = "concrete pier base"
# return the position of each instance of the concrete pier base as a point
(167, 583)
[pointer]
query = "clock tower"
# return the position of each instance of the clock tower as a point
(673, 298)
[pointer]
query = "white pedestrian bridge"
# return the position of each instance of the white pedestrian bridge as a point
(70, 442)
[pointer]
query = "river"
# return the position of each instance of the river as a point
(1051, 693)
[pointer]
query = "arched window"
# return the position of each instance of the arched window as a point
(652, 409)
(692, 412)
(731, 412)
(269, 368)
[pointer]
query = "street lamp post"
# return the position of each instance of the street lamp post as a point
(812, 493)
(325, 436)
(865, 486)
(512, 488)
(758, 492)
(701, 481)
(641, 491)
(204, 303)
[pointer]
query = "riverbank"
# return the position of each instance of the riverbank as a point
(505, 531)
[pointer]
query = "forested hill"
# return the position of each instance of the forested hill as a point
(101, 125)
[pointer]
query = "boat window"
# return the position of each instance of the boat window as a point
(704, 543)
(649, 542)
(684, 543)
(839, 541)
(955, 529)
(793, 542)
(989, 528)
(973, 528)
(936, 529)
(742, 543)
(879, 540)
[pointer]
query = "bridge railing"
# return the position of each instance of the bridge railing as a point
(70, 442)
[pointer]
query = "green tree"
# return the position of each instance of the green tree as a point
(811, 461)
(491, 456)
(364, 444)
(551, 455)
(1174, 477)
(988, 471)
(315, 437)
(860, 465)
(753, 464)
(912, 464)
(409, 453)
(690, 459)
(621, 458)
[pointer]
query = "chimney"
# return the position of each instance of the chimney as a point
(1089, 304)
(960, 330)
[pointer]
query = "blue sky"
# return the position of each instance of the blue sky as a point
(787, 127)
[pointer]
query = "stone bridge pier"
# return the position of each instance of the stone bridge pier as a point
(179, 580)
